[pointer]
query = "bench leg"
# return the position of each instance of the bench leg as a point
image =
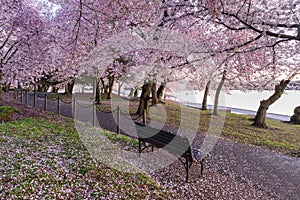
(187, 173)
(140, 146)
(202, 166)
(187, 167)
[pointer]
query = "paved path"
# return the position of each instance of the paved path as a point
(275, 173)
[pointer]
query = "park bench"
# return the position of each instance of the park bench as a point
(174, 144)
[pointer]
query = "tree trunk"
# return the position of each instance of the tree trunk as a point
(216, 104)
(69, 87)
(204, 101)
(160, 92)
(97, 93)
(105, 87)
(144, 99)
(136, 92)
(260, 117)
(54, 89)
(131, 92)
(6, 87)
(153, 94)
(110, 86)
(119, 88)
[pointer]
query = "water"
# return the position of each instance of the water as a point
(248, 102)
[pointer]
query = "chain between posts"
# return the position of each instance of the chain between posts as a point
(74, 102)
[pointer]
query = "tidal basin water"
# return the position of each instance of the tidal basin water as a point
(246, 100)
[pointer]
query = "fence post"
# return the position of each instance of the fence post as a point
(144, 116)
(74, 109)
(34, 99)
(58, 105)
(21, 95)
(118, 119)
(94, 109)
(15, 94)
(34, 96)
(45, 103)
(26, 96)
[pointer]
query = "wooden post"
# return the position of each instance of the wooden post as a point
(34, 97)
(145, 116)
(21, 95)
(58, 104)
(14, 97)
(94, 110)
(45, 103)
(26, 96)
(74, 109)
(118, 119)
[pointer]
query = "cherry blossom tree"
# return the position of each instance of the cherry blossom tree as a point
(268, 32)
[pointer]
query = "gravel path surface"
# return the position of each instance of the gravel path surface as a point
(273, 172)
(236, 170)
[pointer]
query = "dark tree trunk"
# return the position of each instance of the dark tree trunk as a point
(160, 92)
(69, 87)
(153, 94)
(131, 92)
(39, 88)
(216, 104)
(144, 99)
(105, 87)
(260, 117)
(119, 88)
(6, 87)
(136, 92)
(204, 101)
(54, 89)
(97, 93)
(110, 86)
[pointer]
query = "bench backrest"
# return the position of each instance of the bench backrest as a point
(175, 144)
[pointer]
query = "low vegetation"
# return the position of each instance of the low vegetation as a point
(46, 159)
(6, 112)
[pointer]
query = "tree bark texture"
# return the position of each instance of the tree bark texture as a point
(131, 92)
(136, 92)
(216, 104)
(111, 81)
(68, 87)
(160, 92)
(120, 88)
(97, 95)
(260, 117)
(204, 101)
(105, 87)
(153, 94)
(144, 99)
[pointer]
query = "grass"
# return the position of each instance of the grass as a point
(47, 159)
(6, 112)
(279, 136)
